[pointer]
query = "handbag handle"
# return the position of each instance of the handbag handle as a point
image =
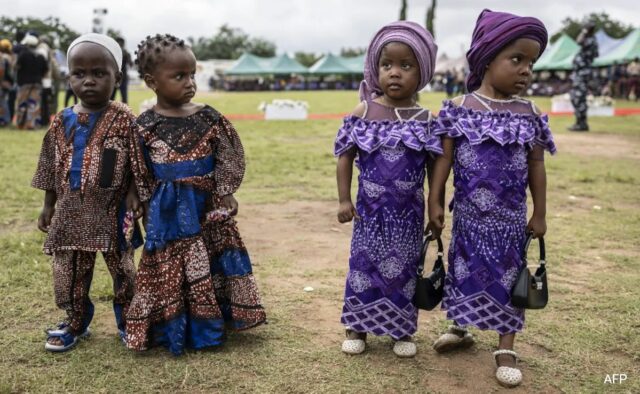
(526, 248)
(425, 245)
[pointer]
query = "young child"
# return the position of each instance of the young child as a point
(388, 133)
(85, 170)
(195, 272)
(495, 141)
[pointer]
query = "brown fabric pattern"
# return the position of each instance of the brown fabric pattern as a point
(86, 219)
(170, 282)
(230, 163)
(72, 276)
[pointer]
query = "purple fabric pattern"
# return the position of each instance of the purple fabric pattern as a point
(370, 135)
(489, 212)
(386, 241)
(503, 127)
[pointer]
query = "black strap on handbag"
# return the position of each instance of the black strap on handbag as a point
(531, 291)
(429, 289)
(425, 245)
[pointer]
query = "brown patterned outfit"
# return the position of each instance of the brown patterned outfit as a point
(85, 160)
(195, 275)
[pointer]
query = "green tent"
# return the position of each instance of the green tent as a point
(330, 64)
(559, 55)
(355, 64)
(247, 64)
(283, 64)
(628, 50)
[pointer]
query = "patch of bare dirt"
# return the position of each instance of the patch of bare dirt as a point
(592, 145)
(308, 234)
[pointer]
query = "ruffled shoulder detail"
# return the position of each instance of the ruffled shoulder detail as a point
(504, 127)
(370, 135)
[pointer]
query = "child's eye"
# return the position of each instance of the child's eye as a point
(179, 77)
(99, 74)
(515, 59)
(78, 74)
(406, 66)
(386, 66)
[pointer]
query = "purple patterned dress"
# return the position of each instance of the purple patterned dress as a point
(492, 139)
(393, 146)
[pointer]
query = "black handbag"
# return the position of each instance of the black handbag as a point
(531, 291)
(429, 289)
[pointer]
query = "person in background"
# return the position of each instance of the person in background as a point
(31, 67)
(126, 63)
(633, 72)
(6, 80)
(582, 75)
(44, 49)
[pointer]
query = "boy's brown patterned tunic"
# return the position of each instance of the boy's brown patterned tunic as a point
(86, 219)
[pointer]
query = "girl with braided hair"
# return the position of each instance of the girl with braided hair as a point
(195, 275)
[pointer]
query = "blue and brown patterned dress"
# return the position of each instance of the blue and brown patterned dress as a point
(195, 275)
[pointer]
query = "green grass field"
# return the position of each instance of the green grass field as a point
(591, 327)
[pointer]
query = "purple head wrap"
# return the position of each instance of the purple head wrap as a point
(494, 31)
(412, 34)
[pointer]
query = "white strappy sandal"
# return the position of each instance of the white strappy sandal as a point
(405, 349)
(507, 376)
(455, 338)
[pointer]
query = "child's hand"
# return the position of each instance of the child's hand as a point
(537, 226)
(347, 212)
(436, 220)
(230, 204)
(133, 204)
(44, 220)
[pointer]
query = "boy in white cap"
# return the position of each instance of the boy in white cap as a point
(90, 201)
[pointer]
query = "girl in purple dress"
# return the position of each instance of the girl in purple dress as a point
(495, 141)
(388, 133)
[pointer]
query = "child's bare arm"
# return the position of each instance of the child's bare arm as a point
(344, 173)
(538, 186)
(440, 174)
(48, 209)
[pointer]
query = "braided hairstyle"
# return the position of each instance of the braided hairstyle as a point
(151, 51)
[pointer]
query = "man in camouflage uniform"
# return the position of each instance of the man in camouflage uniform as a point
(582, 74)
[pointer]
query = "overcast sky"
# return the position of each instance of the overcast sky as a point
(305, 25)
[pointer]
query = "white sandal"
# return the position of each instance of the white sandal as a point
(507, 376)
(353, 346)
(405, 349)
(452, 339)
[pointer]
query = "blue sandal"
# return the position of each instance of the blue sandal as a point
(59, 328)
(68, 340)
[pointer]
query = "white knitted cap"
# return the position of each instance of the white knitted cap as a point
(103, 40)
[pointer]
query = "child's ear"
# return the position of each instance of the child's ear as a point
(149, 81)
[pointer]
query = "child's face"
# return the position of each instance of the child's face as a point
(173, 79)
(93, 74)
(511, 70)
(399, 71)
